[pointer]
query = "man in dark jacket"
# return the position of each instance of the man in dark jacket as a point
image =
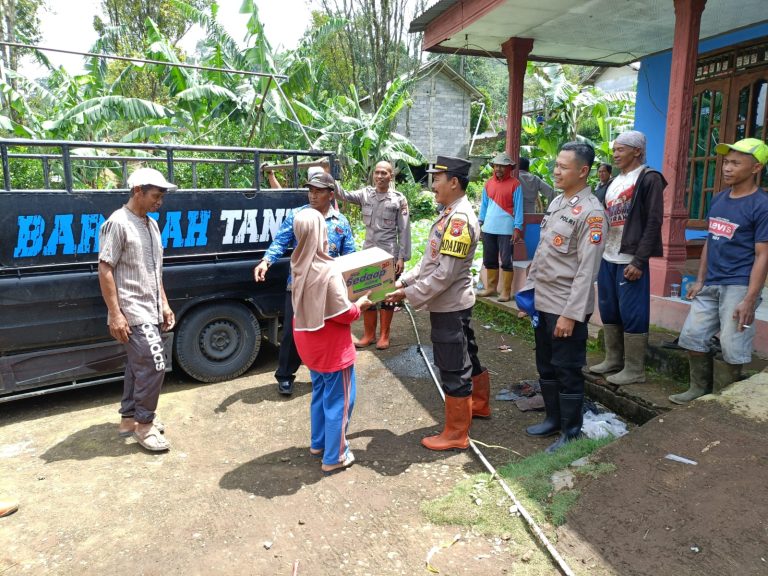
(634, 204)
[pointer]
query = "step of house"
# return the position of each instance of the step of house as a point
(666, 373)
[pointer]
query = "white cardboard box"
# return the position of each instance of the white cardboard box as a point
(371, 270)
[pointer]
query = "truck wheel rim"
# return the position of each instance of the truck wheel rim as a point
(219, 340)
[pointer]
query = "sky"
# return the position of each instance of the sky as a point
(67, 24)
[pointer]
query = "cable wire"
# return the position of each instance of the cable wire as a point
(529, 520)
(144, 60)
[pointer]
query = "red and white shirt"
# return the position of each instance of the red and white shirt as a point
(618, 202)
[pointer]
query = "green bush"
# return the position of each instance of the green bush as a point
(421, 202)
(474, 190)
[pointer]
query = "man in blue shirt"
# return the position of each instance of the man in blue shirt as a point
(501, 221)
(731, 273)
(340, 241)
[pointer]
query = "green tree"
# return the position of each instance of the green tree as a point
(19, 22)
(373, 47)
(572, 111)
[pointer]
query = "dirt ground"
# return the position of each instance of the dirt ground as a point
(666, 517)
(239, 493)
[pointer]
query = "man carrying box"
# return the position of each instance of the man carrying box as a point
(442, 283)
(340, 241)
(387, 226)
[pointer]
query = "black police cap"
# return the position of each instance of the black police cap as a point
(456, 166)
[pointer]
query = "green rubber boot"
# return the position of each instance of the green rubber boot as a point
(701, 379)
(614, 350)
(724, 374)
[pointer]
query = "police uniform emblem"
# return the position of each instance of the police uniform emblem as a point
(557, 240)
(576, 210)
(457, 241)
(595, 229)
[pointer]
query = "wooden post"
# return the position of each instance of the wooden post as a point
(668, 269)
(516, 51)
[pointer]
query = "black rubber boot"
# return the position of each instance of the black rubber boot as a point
(551, 424)
(571, 419)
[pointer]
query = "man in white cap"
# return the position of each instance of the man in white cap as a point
(501, 222)
(131, 280)
(634, 204)
(731, 274)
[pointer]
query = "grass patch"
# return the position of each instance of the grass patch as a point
(509, 323)
(481, 504)
(503, 322)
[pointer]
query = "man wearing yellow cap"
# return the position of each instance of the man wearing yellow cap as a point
(731, 273)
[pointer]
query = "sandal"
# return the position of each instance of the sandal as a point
(128, 433)
(316, 453)
(153, 440)
(341, 466)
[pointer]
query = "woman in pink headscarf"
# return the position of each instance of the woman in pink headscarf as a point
(322, 315)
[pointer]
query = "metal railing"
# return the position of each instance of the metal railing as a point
(70, 153)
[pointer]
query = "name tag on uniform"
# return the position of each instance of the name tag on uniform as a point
(456, 240)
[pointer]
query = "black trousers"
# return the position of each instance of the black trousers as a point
(288, 360)
(561, 359)
(495, 245)
(455, 350)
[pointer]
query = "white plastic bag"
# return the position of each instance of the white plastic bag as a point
(602, 425)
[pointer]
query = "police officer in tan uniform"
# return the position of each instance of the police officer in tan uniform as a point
(442, 284)
(562, 276)
(387, 226)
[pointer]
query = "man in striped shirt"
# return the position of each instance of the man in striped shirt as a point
(131, 280)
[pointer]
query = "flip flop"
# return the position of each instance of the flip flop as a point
(128, 433)
(348, 461)
(153, 441)
(318, 454)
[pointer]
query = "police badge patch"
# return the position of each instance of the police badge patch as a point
(456, 241)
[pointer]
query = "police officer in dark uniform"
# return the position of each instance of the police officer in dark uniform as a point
(442, 284)
(562, 276)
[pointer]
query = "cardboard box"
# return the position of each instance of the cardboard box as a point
(371, 270)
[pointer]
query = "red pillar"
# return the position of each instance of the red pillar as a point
(668, 269)
(516, 51)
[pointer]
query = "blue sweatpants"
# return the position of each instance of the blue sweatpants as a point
(623, 302)
(333, 397)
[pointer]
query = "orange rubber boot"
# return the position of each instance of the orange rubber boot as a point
(481, 395)
(385, 315)
(455, 434)
(369, 326)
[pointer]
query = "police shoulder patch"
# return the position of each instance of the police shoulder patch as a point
(456, 239)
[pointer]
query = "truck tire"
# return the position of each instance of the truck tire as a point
(217, 342)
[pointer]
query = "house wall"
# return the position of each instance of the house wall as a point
(653, 88)
(619, 79)
(438, 120)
